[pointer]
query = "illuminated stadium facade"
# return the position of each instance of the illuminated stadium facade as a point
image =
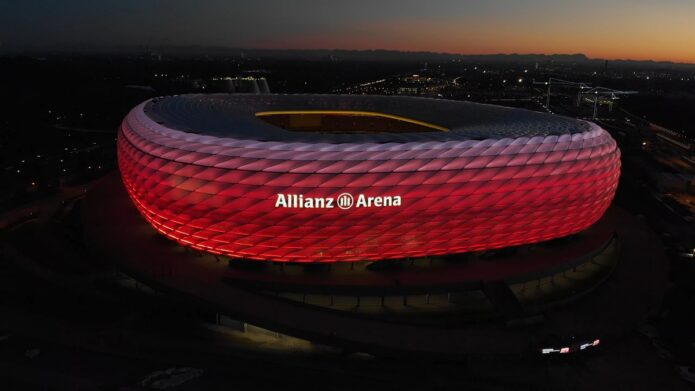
(325, 178)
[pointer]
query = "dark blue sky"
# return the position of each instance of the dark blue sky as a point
(639, 29)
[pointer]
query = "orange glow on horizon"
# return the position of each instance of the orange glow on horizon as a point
(610, 39)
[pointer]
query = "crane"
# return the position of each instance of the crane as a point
(555, 82)
(584, 89)
(609, 93)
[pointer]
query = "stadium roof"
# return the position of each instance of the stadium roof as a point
(235, 116)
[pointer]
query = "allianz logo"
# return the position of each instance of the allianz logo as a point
(343, 201)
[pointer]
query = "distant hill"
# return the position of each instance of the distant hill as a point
(337, 55)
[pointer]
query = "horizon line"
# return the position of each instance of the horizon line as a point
(96, 47)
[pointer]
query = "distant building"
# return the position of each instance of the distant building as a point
(249, 85)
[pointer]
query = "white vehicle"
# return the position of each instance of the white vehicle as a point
(649, 331)
(169, 378)
(687, 374)
(662, 350)
(687, 253)
(32, 353)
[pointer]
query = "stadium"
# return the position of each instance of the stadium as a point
(390, 225)
(361, 178)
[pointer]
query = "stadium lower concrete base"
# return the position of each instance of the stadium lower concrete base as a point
(626, 284)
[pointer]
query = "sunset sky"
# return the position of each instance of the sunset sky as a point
(612, 29)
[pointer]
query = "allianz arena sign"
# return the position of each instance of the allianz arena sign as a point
(343, 201)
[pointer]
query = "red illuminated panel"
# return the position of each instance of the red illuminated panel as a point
(242, 198)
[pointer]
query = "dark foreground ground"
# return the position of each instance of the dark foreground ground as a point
(67, 323)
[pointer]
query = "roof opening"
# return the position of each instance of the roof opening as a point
(345, 121)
